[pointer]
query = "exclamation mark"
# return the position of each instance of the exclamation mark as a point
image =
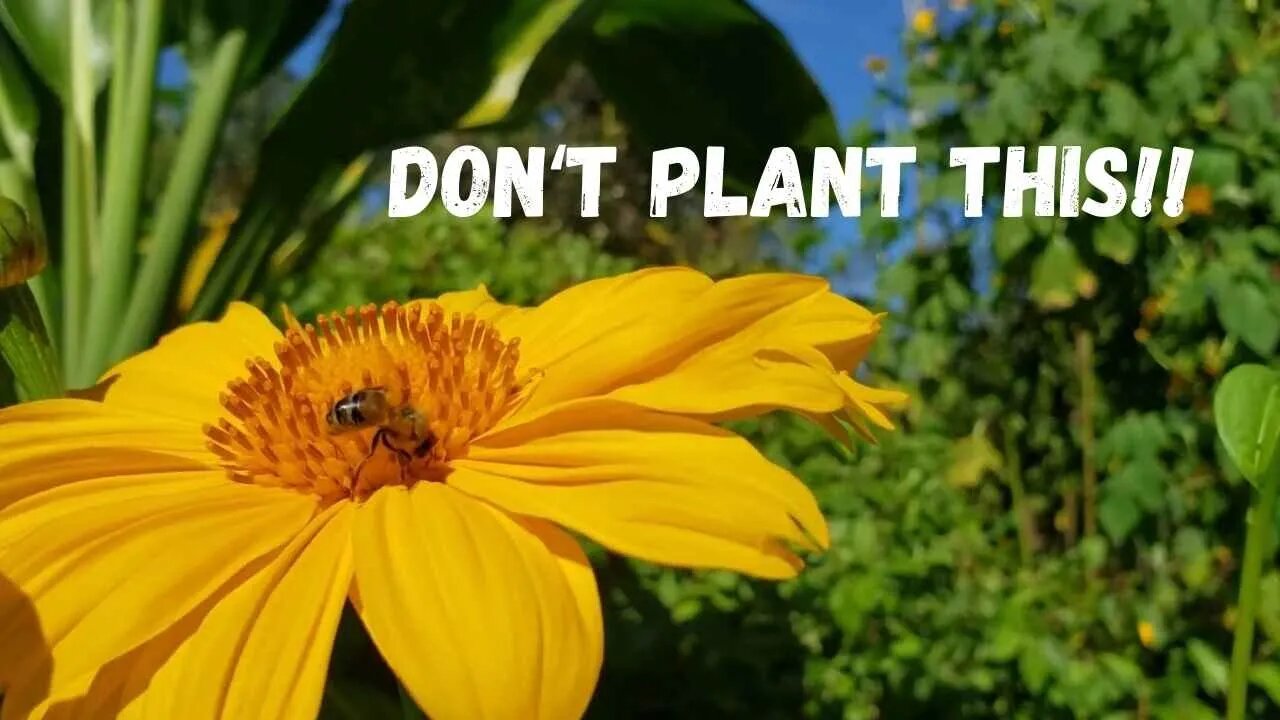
(1179, 169)
(1145, 185)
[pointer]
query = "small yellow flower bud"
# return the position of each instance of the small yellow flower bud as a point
(22, 251)
(1146, 634)
(924, 21)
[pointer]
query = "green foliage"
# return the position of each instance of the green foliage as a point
(393, 73)
(435, 253)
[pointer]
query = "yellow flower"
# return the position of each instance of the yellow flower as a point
(924, 21)
(1147, 634)
(183, 545)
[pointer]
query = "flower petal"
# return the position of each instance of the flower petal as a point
(262, 649)
(662, 488)
(673, 340)
(478, 302)
(182, 377)
(480, 615)
(605, 334)
(110, 562)
(794, 358)
(54, 442)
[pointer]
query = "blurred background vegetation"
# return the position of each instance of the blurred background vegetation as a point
(1049, 533)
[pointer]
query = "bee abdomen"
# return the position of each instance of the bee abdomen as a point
(348, 412)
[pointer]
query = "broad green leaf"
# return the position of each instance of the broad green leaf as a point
(678, 79)
(1246, 408)
(1246, 311)
(42, 30)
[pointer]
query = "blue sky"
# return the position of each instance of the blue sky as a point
(833, 38)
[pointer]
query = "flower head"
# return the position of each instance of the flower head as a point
(185, 542)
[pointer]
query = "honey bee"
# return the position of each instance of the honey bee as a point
(402, 429)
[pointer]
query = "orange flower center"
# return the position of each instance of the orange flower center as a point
(429, 383)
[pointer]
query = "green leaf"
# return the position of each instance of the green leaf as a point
(1116, 239)
(1122, 109)
(678, 79)
(394, 72)
(42, 29)
(853, 598)
(1246, 311)
(972, 457)
(1210, 666)
(1119, 515)
(19, 115)
(1011, 235)
(1267, 677)
(1216, 167)
(1058, 278)
(272, 29)
(1038, 661)
(1246, 408)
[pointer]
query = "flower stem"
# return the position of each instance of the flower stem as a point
(130, 132)
(79, 187)
(180, 201)
(1257, 548)
(25, 344)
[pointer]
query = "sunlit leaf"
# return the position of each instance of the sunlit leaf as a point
(1246, 408)
(42, 29)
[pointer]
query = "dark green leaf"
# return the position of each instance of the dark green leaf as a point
(658, 64)
(1246, 311)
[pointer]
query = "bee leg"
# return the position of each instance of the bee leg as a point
(425, 446)
(378, 438)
